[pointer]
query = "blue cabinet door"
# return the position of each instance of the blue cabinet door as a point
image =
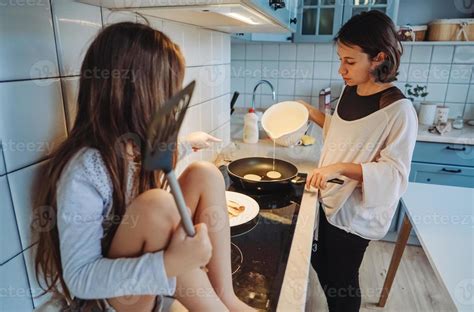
(444, 153)
(442, 174)
(319, 20)
(354, 7)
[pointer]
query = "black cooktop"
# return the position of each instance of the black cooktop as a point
(260, 248)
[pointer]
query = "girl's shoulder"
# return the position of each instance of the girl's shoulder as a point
(88, 166)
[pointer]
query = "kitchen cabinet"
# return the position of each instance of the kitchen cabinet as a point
(289, 14)
(320, 20)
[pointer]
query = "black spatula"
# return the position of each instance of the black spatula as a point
(161, 144)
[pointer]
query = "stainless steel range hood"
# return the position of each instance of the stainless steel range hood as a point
(225, 15)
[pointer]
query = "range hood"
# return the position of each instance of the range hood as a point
(232, 16)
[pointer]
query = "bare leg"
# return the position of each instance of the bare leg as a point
(204, 192)
(156, 218)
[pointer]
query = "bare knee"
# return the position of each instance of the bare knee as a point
(204, 172)
(156, 211)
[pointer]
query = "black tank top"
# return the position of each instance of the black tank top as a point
(353, 106)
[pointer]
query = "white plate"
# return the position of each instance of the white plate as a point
(251, 208)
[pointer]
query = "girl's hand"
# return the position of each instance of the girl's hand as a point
(318, 177)
(186, 253)
(199, 140)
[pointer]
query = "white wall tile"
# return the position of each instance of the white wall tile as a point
(421, 54)
(9, 239)
(460, 73)
(335, 71)
(406, 54)
(76, 25)
(237, 69)
(318, 85)
(439, 73)
(470, 95)
(436, 92)
(221, 111)
(206, 116)
(286, 86)
(250, 83)
(70, 88)
(303, 87)
(403, 72)
(457, 93)
(238, 84)
(265, 89)
(193, 73)
(27, 50)
(455, 109)
(2, 161)
(254, 69)
(205, 46)
(322, 70)
(305, 52)
(270, 69)
(442, 54)
(240, 101)
(248, 100)
(304, 70)
(192, 121)
(226, 48)
(237, 51)
(270, 52)
(266, 101)
(464, 54)
(191, 45)
(217, 47)
(287, 69)
(112, 17)
(13, 276)
(32, 121)
(205, 74)
(287, 52)
(323, 51)
(336, 88)
(253, 52)
(418, 72)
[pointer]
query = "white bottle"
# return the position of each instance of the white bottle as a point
(250, 127)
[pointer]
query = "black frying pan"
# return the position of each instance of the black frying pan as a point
(237, 169)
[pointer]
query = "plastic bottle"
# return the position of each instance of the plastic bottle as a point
(250, 127)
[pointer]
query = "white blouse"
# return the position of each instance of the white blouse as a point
(383, 144)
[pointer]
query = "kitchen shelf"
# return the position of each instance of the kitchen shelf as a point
(438, 43)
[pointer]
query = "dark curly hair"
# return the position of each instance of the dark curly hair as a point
(374, 32)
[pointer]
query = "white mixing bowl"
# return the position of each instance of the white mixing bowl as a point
(286, 122)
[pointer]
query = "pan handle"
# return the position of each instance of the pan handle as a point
(337, 181)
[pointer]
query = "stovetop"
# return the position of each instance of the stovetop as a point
(260, 249)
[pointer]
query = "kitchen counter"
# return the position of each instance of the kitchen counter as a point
(463, 136)
(305, 158)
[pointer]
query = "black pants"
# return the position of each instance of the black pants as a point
(337, 257)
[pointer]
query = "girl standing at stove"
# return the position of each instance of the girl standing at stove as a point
(369, 143)
(112, 240)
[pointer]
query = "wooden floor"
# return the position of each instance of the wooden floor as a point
(415, 288)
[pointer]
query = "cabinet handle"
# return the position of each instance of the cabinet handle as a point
(452, 170)
(462, 149)
(293, 20)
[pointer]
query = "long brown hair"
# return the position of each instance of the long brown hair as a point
(128, 71)
(374, 32)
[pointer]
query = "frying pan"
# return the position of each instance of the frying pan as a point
(237, 169)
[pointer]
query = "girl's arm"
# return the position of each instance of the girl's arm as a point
(314, 114)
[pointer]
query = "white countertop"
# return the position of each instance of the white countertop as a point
(443, 219)
(305, 158)
(463, 136)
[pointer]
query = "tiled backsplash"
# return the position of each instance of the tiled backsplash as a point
(300, 71)
(43, 44)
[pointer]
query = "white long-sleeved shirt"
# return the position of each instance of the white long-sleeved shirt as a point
(84, 201)
(383, 144)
